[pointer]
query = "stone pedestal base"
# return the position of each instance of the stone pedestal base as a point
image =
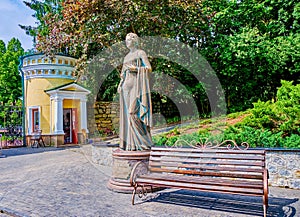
(123, 162)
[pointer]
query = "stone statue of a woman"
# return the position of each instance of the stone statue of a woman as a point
(135, 99)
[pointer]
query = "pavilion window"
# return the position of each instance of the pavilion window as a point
(34, 122)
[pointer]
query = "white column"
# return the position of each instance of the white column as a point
(58, 115)
(83, 114)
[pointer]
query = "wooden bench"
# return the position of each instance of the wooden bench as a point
(228, 171)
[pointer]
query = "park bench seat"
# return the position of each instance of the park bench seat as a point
(240, 172)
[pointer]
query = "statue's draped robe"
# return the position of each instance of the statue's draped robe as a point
(135, 108)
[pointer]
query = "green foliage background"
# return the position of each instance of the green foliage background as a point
(251, 44)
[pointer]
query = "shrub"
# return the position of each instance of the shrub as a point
(280, 116)
(269, 124)
(262, 138)
(159, 140)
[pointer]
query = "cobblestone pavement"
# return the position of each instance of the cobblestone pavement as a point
(65, 182)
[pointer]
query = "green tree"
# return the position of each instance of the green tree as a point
(10, 80)
(251, 44)
(88, 27)
(256, 44)
(40, 8)
(2, 48)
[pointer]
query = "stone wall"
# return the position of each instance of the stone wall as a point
(104, 116)
(284, 168)
(283, 165)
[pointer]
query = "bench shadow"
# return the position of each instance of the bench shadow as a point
(247, 205)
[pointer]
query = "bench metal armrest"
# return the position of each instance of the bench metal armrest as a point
(266, 191)
(140, 168)
(265, 178)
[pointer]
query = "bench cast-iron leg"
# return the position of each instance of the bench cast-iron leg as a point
(133, 194)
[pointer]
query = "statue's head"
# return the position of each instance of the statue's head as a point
(132, 40)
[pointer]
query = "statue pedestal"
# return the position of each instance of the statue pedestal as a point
(123, 162)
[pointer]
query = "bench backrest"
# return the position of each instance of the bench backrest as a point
(222, 163)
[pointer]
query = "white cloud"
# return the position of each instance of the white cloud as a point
(12, 13)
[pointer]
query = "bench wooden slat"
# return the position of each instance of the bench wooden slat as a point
(205, 180)
(217, 167)
(202, 173)
(223, 189)
(210, 161)
(190, 150)
(207, 155)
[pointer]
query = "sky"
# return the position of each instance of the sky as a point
(12, 13)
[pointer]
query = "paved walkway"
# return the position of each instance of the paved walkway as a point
(65, 182)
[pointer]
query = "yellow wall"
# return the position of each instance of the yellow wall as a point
(71, 103)
(36, 96)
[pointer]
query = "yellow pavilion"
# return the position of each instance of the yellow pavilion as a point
(55, 104)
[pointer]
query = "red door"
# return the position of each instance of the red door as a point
(74, 126)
